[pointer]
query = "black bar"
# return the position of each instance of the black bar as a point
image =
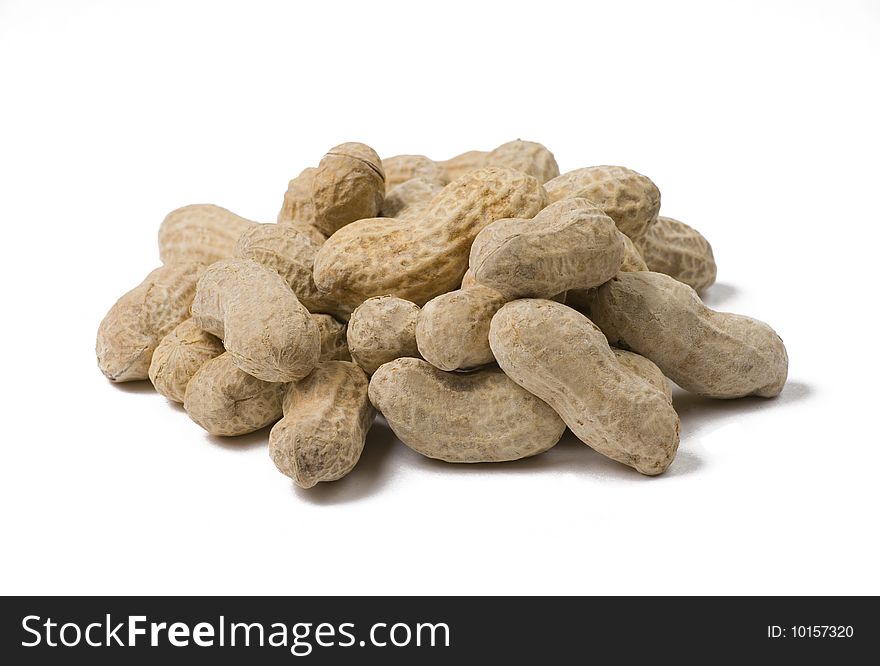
(698, 629)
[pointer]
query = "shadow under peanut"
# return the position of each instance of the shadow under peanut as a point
(719, 294)
(384, 456)
(697, 413)
(374, 470)
(140, 386)
(570, 457)
(252, 440)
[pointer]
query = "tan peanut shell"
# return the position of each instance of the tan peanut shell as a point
(627, 197)
(179, 356)
(290, 253)
(401, 168)
(419, 261)
(560, 356)
(569, 245)
(348, 185)
(580, 299)
(674, 248)
(334, 345)
(226, 401)
(645, 369)
(479, 416)
(326, 419)
(462, 164)
(452, 331)
(309, 230)
(632, 257)
(133, 327)
(410, 198)
(713, 354)
(200, 232)
(382, 329)
(298, 205)
(526, 156)
(264, 327)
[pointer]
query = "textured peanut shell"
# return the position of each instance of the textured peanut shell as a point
(309, 230)
(526, 156)
(348, 185)
(462, 164)
(580, 299)
(713, 354)
(334, 345)
(200, 232)
(226, 401)
(632, 257)
(627, 197)
(382, 329)
(645, 369)
(298, 205)
(419, 261)
(560, 356)
(452, 331)
(674, 248)
(264, 327)
(326, 419)
(133, 327)
(179, 356)
(569, 245)
(472, 417)
(401, 168)
(290, 253)
(410, 198)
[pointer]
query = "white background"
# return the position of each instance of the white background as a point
(759, 123)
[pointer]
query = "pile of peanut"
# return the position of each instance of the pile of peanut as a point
(481, 304)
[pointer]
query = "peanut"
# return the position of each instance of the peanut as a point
(226, 401)
(713, 354)
(645, 369)
(627, 197)
(382, 329)
(526, 156)
(674, 248)
(569, 245)
(290, 253)
(200, 232)
(309, 230)
(479, 416)
(265, 329)
(410, 199)
(131, 330)
(401, 168)
(632, 257)
(452, 331)
(334, 346)
(326, 419)
(298, 205)
(179, 356)
(580, 299)
(420, 261)
(463, 164)
(561, 357)
(348, 185)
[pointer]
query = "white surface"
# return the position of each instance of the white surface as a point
(757, 121)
